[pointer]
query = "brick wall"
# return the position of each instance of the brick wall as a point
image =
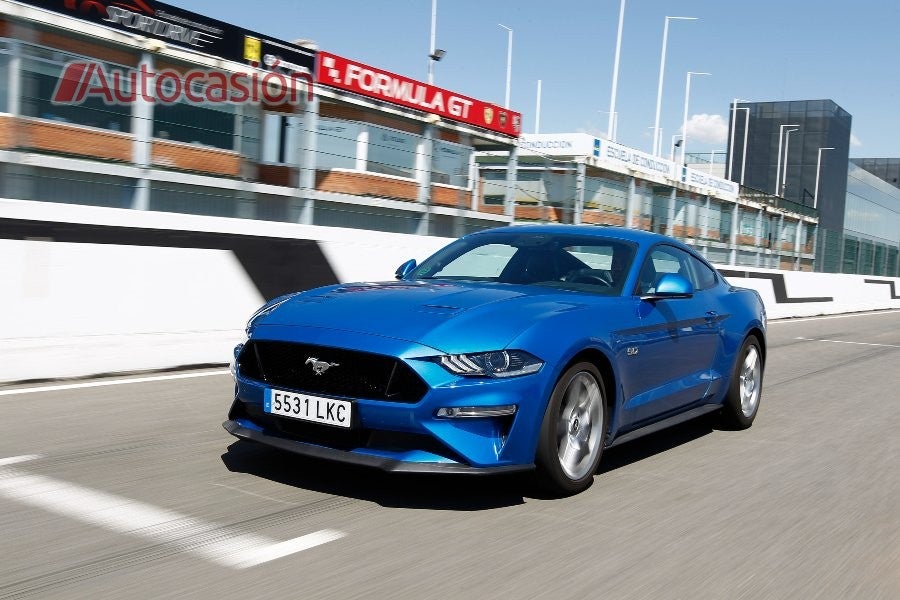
(7, 132)
(194, 158)
(366, 184)
(48, 136)
(278, 175)
(446, 196)
(602, 218)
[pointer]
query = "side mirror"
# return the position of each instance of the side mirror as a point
(671, 285)
(405, 269)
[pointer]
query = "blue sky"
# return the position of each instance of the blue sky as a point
(759, 50)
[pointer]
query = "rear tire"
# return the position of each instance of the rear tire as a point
(573, 431)
(745, 388)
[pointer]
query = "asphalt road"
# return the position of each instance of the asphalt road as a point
(135, 491)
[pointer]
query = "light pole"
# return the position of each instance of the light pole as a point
(818, 169)
(537, 109)
(657, 136)
(744, 152)
(787, 146)
(611, 126)
(672, 147)
(431, 48)
(778, 162)
(508, 61)
(687, 97)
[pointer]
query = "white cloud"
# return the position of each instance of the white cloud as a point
(712, 129)
(855, 141)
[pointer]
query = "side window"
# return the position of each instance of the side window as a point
(663, 260)
(702, 276)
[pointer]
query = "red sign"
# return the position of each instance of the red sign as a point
(335, 71)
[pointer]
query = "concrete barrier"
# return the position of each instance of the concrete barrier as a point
(89, 290)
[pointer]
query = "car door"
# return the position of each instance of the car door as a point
(667, 358)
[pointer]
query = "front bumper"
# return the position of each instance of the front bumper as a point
(240, 429)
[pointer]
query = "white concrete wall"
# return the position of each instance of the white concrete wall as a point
(74, 309)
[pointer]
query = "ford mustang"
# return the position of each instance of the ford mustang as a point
(518, 348)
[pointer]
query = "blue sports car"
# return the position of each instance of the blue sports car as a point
(529, 347)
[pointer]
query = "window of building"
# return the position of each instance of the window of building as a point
(203, 125)
(494, 188)
(450, 163)
(336, 143)
(392, 152)
(41, 71)
(608, 196)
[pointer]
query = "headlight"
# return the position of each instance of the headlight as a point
(500, 363)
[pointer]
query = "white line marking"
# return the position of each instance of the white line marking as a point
(846, 342)
(254, 494)
(126, 516)
(18, 459)
(847, 316)
(90, 384)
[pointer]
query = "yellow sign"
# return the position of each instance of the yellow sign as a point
(252, 49)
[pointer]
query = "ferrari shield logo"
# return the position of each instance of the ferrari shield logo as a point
(488, 114)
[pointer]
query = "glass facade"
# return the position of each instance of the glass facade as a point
(871, 236)
(886, 169)
(783, 149)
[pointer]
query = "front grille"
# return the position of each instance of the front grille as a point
(356, 374)
(338, 438)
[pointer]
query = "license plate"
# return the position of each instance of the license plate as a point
(308, 408)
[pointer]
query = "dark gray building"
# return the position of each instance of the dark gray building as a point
(789, 146)
(886, 169)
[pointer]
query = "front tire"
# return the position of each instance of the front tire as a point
(573, 431)
(744, 389)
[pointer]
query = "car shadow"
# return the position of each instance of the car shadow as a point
(393, 490)
(436, 492)
(655, 443)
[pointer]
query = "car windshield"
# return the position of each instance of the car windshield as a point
(577, 262)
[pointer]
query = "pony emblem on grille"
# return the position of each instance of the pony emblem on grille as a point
(319, 366)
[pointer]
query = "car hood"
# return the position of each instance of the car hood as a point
(448, 316)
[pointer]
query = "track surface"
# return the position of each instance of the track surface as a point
(805, 504)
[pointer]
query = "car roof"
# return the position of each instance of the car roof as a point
(619, 233)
